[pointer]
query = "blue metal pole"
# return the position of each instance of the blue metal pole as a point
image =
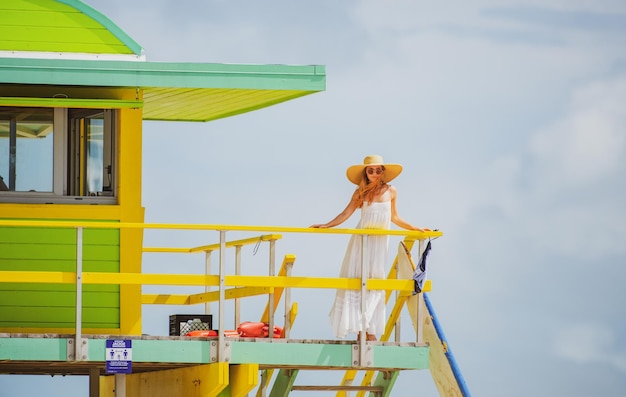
(448, 351)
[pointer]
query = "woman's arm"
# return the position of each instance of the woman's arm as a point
(344, 215)
(395, 218)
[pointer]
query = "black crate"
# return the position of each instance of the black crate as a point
(181, 324)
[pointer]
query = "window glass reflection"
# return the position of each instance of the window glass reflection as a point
(95, 150)
(26, 149)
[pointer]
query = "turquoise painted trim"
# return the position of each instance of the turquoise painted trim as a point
(106, 22)
(33, 349)
(147, 351)
(55, 349)
(330, 355)
(296, 354)
(416, 357)
(161, 74)
(186, 351)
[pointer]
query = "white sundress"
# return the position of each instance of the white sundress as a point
(345, 315)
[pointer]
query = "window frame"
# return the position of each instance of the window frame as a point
(62, 165)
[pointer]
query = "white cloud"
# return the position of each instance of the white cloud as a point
(457, 95)
(589, 142)
(564, 182)
(605, 6)
(589, 344)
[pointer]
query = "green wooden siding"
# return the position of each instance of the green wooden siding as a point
(37, 305)
(60, 26)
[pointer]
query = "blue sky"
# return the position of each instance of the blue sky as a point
(508, 117)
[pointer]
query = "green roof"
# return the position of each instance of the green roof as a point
(174, 91)
(56, 43)
(60, 26)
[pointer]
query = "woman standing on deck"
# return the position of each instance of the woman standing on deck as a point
(377, 200)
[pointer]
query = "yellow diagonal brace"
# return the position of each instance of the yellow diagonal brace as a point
(231, 293)
(164, 299)
(278, 292)
(173, 299)
(213, 247)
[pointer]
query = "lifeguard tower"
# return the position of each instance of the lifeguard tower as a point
(74, 91)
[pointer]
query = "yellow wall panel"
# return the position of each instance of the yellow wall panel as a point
(243, 378)
(197, 381)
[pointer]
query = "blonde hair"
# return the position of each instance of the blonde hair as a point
(368, 191)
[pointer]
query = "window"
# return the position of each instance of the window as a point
(57, 155)
(26, 149)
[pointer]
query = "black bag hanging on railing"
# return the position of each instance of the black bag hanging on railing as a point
(420, 271)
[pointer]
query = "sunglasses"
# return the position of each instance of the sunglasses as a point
(376, 170)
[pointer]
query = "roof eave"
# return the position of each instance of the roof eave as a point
(102, 73)
(176, 91)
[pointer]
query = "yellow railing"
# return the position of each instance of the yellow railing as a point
(235, 293)
(255, 284)
(209, 280)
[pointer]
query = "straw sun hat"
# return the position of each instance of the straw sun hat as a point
(355, 172)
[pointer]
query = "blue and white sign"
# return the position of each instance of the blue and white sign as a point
(119, 356)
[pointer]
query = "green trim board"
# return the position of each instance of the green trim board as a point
(63, 265)
(71, 103)
(33, 349)
(172, 91)
(405, 356)
(28, 297)
(292, 354)
(149, 349)
(37, 316)
(61, 26)
(57, 235)
(44, 252)
(99, 73)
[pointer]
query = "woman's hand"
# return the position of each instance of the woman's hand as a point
(319, 226)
